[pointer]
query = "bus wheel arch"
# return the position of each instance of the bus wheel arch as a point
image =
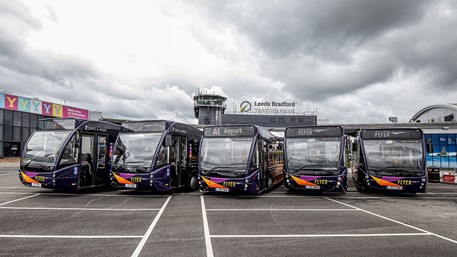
(192, 184)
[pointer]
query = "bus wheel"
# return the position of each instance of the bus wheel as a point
(193, 182)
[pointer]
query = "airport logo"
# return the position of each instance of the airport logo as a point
(245, 106)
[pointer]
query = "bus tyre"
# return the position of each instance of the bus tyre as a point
(193, 181)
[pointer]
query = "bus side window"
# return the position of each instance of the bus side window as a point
(183, 151)
(162, 159)
(193, 150)
(70, 153)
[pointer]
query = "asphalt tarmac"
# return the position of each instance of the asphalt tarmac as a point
(42, 222)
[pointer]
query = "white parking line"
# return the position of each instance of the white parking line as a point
(20, 199)
(66, 236)
(24, 187)
(16, 193)
(322, 235)
(209, 246)
(281, 210)
(149, 231)
(50, 192)
(396, 221)
(73, 209)
(7, 173)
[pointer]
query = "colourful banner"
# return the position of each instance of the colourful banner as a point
(24, 104)
(11, 102)
(46, 109)
(2, 101)
(35, 106)
(72, 112)
(57, 110)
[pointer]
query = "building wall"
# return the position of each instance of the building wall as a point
(15, 129)
(280, 121)
(438, 115)
(209, 115)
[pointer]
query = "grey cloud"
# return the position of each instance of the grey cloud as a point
(294, 28)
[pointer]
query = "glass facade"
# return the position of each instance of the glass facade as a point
(15, 129)
(441, 150)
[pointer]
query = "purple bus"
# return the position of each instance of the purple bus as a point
(68, 154)
(156, 155)
(390, 160)
(315, 159)
(242, 158)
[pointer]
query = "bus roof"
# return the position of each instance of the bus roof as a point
(71, 124)
(58, 124)
(314, 131)
(237, 131)
(159, 126)
(391, 133)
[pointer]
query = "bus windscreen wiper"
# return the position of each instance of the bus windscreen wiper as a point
(39, 166)
(308, 166)
(27, 164)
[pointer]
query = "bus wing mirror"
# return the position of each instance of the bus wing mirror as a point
(354, 147)
(168, 140)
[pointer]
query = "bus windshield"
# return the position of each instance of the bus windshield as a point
(394, 157)
(41, 151)
(133, 152)
(225, 157)
(313, 156)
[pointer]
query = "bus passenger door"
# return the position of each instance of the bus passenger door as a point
(174, 161)
(86, 161)
(182, 160)
(101, 175)
(180, 152)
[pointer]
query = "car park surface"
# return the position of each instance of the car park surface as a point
(42, 222)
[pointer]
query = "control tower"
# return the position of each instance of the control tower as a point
(209, 107)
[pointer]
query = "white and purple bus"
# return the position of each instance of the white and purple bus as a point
(68, 154)
(240, 159)
(156, 155)
(315, 159)
(391, 160)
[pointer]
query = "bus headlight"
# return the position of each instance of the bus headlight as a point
(423, 179)
(339, 179)
(287, 176)
(246, 181)
(367, 177)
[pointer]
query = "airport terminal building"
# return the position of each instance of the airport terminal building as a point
(210, 109)
(19, 116)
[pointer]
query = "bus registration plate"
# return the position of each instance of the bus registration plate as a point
(313, 187)
(36, 184)
(221, 189)
(130, 185)
(394, 188)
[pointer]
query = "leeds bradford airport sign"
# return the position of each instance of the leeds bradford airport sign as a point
(268, 107)
(24, 104)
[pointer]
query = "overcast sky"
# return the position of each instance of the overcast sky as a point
(357, 61)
